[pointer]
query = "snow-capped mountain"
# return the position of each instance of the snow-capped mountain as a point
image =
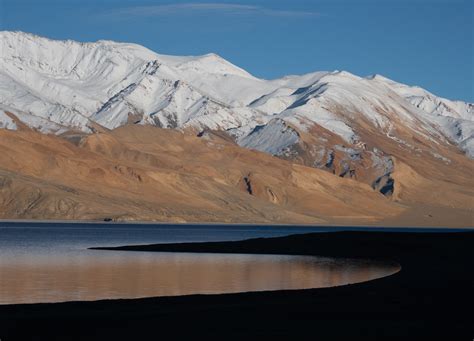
(330, 120)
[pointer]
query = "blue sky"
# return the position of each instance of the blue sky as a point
(419, 42)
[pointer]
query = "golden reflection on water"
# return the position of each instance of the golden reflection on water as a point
(108, 275)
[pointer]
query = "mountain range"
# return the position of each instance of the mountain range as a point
(109, 130)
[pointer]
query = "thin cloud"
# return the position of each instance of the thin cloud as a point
(205, 8)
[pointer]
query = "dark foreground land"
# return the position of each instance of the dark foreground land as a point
(430, 298)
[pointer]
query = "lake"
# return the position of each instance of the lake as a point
(45, 262)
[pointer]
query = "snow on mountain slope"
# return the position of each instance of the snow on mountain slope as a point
(71, 83)
(340, 102)
(272, 138)
(427, 101)
(6, 122)
(455, 119)
(55, 85)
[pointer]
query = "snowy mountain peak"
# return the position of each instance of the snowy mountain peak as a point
(54, 86)
(213, 64)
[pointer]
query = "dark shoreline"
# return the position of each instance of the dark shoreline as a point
(431, 298)
(323, 227)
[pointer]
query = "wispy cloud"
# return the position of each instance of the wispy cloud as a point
(206, 8)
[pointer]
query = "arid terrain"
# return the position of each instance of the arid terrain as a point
(146, 173)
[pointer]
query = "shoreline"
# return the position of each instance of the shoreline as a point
(427, 298)
(337, 227)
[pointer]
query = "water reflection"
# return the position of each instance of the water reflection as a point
(106, 275)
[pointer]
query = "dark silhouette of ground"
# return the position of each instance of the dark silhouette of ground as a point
(430, 298)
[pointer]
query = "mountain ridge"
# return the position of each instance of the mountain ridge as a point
(367, 129)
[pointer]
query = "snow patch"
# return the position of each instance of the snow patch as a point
(272, 138)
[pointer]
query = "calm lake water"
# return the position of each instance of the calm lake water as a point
(52, 263)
